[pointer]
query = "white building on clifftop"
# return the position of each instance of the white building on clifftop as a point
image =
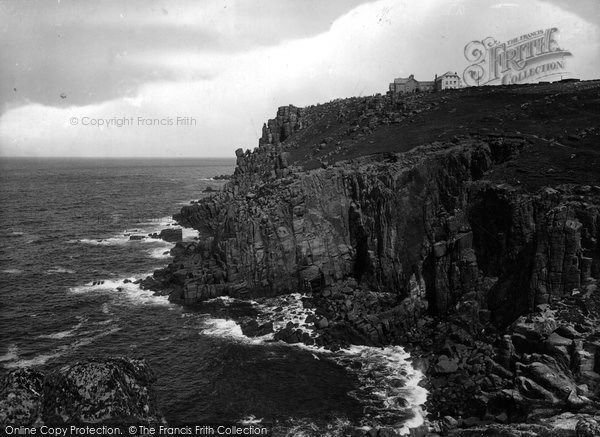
(448, 80)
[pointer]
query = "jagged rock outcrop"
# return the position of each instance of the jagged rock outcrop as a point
(114, 390)
(288, 120)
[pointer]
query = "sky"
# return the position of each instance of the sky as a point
(172, 78)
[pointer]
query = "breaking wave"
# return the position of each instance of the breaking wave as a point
(389, 385)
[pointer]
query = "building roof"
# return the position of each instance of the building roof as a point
(404, 79)
(446, 74)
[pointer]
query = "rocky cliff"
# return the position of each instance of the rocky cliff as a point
(475, 213)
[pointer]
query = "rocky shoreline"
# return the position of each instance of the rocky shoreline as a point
(488, 280)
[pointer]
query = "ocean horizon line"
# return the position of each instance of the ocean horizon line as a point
(232, 156)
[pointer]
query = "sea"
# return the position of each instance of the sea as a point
(68, 268)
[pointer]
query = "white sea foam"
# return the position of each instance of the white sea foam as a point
(223, 328)
(58, 270)
(291, 310)
(29, 238)
(64, 334)
(102, 285)
(130, 292)
(224, 300)
(386, 373)
(141, 232)
(58, 335)
(141, 235)
(38, 360)
(89, 340)
(189, 234)
(107, 321)
(250, 420)
(12, 271)
(230, 329)
(110, 241)
(11, 354)
(160, 253)
(147, 297)
(156, 241)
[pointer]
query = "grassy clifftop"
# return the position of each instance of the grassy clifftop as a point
(561, 120)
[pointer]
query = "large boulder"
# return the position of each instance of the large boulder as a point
(253, 329)
(115, 390)
(106, 391)
(551, 378)
(446, 365)
(172, 235)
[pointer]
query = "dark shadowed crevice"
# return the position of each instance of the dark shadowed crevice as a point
(358, 237)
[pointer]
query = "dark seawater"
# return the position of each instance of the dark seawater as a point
(65, 225)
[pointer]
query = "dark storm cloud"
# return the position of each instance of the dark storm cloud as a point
(95, 51)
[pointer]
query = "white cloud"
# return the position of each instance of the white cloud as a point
(360, 54)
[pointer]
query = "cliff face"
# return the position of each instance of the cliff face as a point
(469, 236)
(424, 224)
